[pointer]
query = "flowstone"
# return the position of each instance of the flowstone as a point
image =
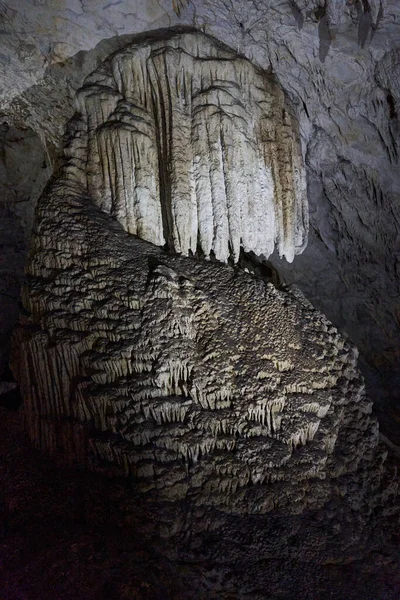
(201, 381)
(188, 144)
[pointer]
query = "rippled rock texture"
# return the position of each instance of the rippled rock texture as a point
(201, 381)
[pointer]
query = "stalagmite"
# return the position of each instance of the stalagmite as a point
(201, 381)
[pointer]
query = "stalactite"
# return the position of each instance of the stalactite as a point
(191, 145)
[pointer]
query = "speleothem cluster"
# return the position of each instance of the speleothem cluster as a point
(199, 380)
(188, 144)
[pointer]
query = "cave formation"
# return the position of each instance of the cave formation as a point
(201, 381)
(154, 348)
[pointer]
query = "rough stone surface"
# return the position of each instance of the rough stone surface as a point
(92, 286)
(107, 545)
(338, 61)
(203, 382)
(198, 379)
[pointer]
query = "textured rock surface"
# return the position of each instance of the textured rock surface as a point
(346, 94)
(186, 143)
(299, 440)
(196, 378)
(370, 11)
(201, 381)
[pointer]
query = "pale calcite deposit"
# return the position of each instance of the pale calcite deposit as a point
(345, 89)
(188, 144)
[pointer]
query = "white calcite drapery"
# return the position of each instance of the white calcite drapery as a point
(188, 144)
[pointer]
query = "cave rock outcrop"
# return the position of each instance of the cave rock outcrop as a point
(199, 380)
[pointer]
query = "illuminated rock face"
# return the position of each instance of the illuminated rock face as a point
(187, 144)
(201, 381)
(194, 377)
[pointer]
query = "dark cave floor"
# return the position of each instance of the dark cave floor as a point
(60, 539)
